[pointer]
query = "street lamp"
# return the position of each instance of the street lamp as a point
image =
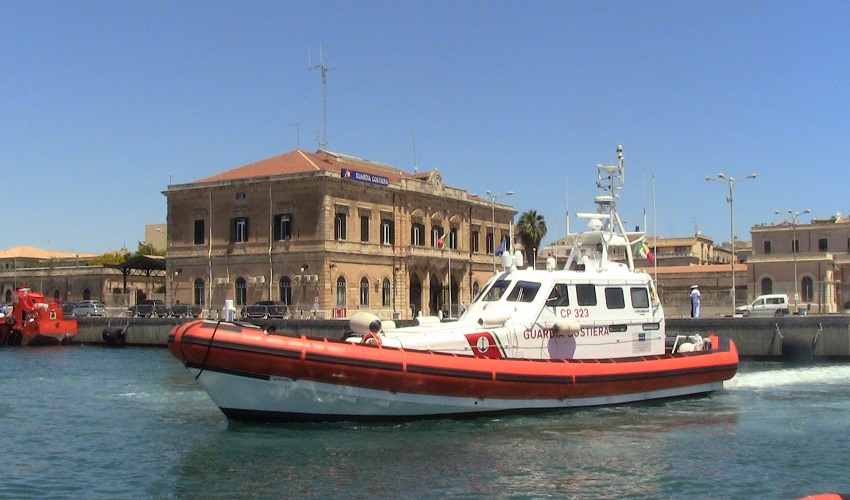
(493, 198)
(730, 182)
(794, 246)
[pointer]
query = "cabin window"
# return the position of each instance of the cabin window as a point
(559, 296)
(495, 292)
(640, 298)
(614, 298)
(586, 295)
(524, 291)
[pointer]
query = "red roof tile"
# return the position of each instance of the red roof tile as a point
(299, 161)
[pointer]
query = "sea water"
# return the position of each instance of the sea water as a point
(94, 422)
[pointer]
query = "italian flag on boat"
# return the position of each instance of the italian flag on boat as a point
(645, 252)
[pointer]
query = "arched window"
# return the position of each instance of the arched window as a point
(364, 291)
(199, 295)
(385, 293)
(86, 294)
(285, 287)
(340, 292)
(56, 295)
(241, 291)
(766, 286)
(808, 289)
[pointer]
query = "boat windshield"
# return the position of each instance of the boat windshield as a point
(524, 291)
(496, 291)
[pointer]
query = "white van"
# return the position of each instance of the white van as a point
(774, 304)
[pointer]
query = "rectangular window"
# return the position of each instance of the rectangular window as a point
(239, 230)
(614, 298)
(200, 233)
(823, 246)
(559, 296)
(283, 227)
(339, 226)
(586, 295)
(453, 238)
(436, 234)
(475, 238)
(490, 247)
(524, 291)
(795, 246)
(767, 248)
(387, 232)
(417, 234)
(640, 298)
(364, 228)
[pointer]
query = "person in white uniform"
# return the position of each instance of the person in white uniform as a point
(695, 301)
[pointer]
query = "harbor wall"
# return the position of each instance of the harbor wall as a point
(793, 337)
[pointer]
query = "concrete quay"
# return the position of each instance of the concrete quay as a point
(799, 338)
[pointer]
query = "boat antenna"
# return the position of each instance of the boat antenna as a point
(324, 69)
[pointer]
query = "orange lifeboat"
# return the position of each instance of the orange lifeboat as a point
(35, 321)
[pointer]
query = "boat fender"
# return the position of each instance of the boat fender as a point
(371, 338)
(567, 327)
(387, 325)
(686, 347)
(492, 318)
(362, 323)
(426, 320)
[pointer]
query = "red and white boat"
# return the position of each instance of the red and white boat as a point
(33, 320)
(591, 333)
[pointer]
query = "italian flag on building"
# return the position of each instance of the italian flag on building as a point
(645, 252)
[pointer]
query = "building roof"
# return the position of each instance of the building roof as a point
(300, 161)
(27, 252)
(704, 269)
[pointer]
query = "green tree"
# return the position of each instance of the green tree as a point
(110, 258)
(531, 229)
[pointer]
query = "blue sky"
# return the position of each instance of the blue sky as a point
(104, 104)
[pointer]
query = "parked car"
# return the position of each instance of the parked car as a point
(148, 308)
(68, 308)
(774, 304)
(266, 309)
(89, 308)
(183, 311)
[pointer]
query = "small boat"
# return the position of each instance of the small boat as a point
(591, 333)
(34, 321)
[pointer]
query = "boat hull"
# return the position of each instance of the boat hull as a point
(257, 376)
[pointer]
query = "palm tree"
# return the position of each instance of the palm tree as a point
(531, 229)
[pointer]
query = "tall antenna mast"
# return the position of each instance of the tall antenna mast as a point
(321, 66)
(415, 167)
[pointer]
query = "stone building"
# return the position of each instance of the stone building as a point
(808, 261)
(329, 235)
